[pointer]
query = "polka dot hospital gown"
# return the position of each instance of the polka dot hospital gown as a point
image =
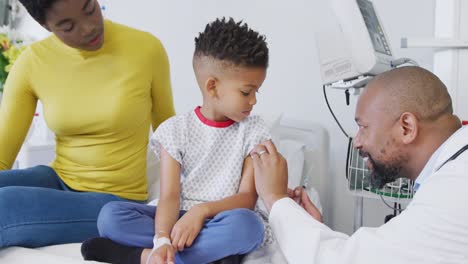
(211, 155)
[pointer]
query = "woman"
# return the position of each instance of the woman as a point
(101, 85)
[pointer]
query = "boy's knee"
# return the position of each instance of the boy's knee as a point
(108, 220)
(248, 218)
(251, 226)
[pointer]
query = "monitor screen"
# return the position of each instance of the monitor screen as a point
(373, 27)
(4, 12)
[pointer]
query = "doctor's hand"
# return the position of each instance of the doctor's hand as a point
(187, 228)
(271, 173)
(299, 195)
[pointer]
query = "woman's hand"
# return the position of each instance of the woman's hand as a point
(271, 173)
(163, 255)
(188, 227)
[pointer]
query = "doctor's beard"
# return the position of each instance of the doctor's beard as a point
(380, 173)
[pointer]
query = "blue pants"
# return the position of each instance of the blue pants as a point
(233, 232)
(38, 209)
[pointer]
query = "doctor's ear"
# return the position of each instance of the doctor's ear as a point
(408, 127)
(211, 87)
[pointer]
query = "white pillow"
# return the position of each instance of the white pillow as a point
(152, 174)
(273, 122)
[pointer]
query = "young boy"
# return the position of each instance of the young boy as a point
(207, 185)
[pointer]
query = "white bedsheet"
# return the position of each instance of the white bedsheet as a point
(70, 254)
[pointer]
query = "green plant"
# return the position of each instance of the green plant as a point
(9, 52)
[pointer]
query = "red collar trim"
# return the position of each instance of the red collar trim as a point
(211, 123)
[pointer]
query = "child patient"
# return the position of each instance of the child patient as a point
(207, 186)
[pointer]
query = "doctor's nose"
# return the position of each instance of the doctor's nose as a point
(357, 141)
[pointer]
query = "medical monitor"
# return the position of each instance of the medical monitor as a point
(359, 46)
(4, 12)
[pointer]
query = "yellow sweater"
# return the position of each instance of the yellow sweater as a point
(99, 104)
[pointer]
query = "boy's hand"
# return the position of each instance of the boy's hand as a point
(163, 255)
(187, 228)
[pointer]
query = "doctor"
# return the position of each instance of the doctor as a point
(406, 129)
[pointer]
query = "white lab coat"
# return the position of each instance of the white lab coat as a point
(433, 228)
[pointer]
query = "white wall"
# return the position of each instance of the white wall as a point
(451, 65)
(293, 84)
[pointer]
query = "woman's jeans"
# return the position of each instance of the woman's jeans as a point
(38, 209)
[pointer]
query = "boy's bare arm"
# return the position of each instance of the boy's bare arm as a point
(245, 198)
(168, 209)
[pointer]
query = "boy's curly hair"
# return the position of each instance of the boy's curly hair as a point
(38, 8)
(233, 42)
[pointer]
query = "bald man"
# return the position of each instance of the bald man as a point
(406, 129)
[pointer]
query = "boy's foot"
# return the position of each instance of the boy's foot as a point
(234, 259)
(106, 250)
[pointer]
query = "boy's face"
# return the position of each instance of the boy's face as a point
(236, 91)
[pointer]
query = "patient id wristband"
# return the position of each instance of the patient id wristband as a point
(160, 241)
(157, 243)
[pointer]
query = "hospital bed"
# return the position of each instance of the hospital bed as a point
(305, 146)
